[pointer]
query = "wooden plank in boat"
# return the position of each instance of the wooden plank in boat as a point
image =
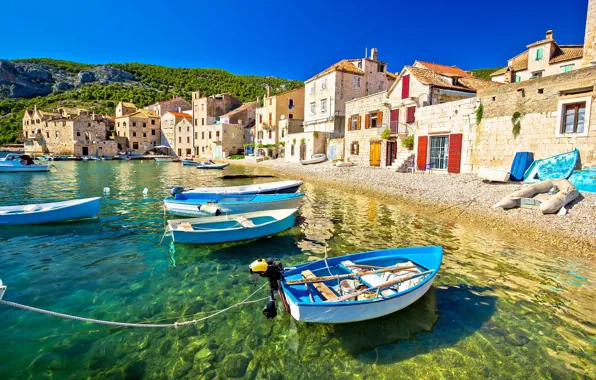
(186, 226)
(322, 288)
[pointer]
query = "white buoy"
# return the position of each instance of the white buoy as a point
(106, 190)
(145, 191)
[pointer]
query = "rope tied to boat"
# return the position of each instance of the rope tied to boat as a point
(142, 325)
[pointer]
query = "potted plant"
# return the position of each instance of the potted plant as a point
(408, 142)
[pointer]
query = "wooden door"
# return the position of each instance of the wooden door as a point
(375, 153)
(302, 152)
(391, 153)
(455, 145)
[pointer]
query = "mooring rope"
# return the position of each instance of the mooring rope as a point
(144, 325)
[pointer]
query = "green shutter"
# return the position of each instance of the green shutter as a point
(539, 53)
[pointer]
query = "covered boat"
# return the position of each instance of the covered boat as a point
(352, 288)
(493, 174)
(13, 163)
(49, 212)
(281, 187)
(556, 167)
(315, 159)
(199, 204)
(584, 180)
(228, 228)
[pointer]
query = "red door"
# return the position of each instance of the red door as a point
(454, 161)
(422, 152)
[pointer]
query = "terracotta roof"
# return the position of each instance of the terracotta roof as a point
(180, 114)
(445, 70)
(518, 63)
(433, 78)
(391, 75)
(243, 107)
(540, 43)
(128, 105)
(343, 65)
(567, 52)
(142, 113)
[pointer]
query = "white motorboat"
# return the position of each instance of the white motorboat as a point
(281, 187)
(13, 163)
(315, 159)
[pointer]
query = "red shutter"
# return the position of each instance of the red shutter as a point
(422, 152)
(405, 86)
(454, 160)
(411, 114)
(394, 120)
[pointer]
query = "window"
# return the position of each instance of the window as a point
(260, 118)
(202, 107)
(179, 129)
(537, 74)
(573, 117)
(360, 65)
(152, 123)
(312, 88)
(202, 135)
(354, 148)
(324, 84)
(381, 68)
(356, 82)
(270, 133)
(135, 145)
(134, 134)
(196, 135)
(270, 101)
(567, 68)
(179, 139)
(291, 104)
(217, 135)
(78, 133)
(209, 135)
(517, 79)
(539, 54)
(292, 150)
(153, 132)
(145, 124)
(187, 129)
(372, 120)
(203, 149)
(144, 134)
(124, 123)
(290, 116)
(411, 114)
(179, 152)
(134, 123)
(270, 119)
(354, 123)
(405, 86)
(188, 139)
(283, 132)
(323, 105)
(313, 108)
(57, 134)
(202, 121)
(48, 134)
(88, 124)
(196, 123)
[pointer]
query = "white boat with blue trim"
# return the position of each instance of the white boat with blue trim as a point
(352, 288)
(49, 212)
(14, 163)
(281, 187)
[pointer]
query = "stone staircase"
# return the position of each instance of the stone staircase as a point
(402, 161)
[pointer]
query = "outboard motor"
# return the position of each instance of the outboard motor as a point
(273, 270)
(210, 209)
(177, 190)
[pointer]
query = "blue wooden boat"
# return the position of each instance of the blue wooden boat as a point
(281, 187)
(521, 163)
(189, 163)
(556, 167)
(228, 228)
(49, 212)
(199, 204)
(355, 287)
(584, 180)
(211, 165)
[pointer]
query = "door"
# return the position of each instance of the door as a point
(85, 151)
(439, 151)
(375, 153)
(391, 152)
(455, 145)
(302, 152)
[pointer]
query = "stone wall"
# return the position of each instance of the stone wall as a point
(590, 36)
(336, 149)
(184, 138)
(313, 143)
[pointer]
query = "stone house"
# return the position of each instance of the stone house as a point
(554, 115)
(299, 145)
(140, 131)
(66, 131)
(287, 105)
(419, 85)
(125, 108)
(177, 104)
(226, 135)
(177, 132)
(542, 58)
(206, 110)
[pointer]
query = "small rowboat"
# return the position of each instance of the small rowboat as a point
(14, 163)
(211, 165)
(315, 159)
(493, 174)
(344, 164)
(352, 288)
(281, 187)
(228, 228)
(556, 167)
(198, 204)
(166, 159)
(49, 212)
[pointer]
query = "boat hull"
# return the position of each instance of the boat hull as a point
(24, 169)
(493, 175)
(87, 208)
(556, 167)
(168, 159)
(223, 236)
(355, 312)
(213, 166)
(584, 180)
(285, 187)
(314, 160)
(189, 208)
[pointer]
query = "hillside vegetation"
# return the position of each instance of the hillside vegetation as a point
(484, 73)
(150, 84)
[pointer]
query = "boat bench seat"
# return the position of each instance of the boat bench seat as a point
(373, 280)
(326, 291)
(185, 226)
(244, 222)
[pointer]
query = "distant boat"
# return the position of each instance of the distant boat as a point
(49, 212)
(190, 163)
(229, 228)
(166, 159)
(211, 165)
(281, 187)
(198, 204)
(13, 163)
(355, 287)
(556, 167)
(344, 164)
(314, 159)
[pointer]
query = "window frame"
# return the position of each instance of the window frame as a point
(561, 107)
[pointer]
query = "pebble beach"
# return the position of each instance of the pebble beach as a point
(463, 198)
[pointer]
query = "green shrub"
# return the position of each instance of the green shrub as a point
(386, 134)
(408, 142)
(516, 121)
(236, 157)
(479, 113)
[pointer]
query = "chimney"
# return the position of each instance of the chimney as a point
(374, 54)
(549, 35)
(509, 76)
(268, 91)
(180, 109)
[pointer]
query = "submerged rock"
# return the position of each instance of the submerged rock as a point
(204, 354)
(517, 339)
(181, 368)
(235, 365)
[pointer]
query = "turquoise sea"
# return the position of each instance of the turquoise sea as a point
(498, 309)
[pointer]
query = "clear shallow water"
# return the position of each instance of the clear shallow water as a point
(499, 309)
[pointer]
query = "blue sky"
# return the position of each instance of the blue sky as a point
(289, 39)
